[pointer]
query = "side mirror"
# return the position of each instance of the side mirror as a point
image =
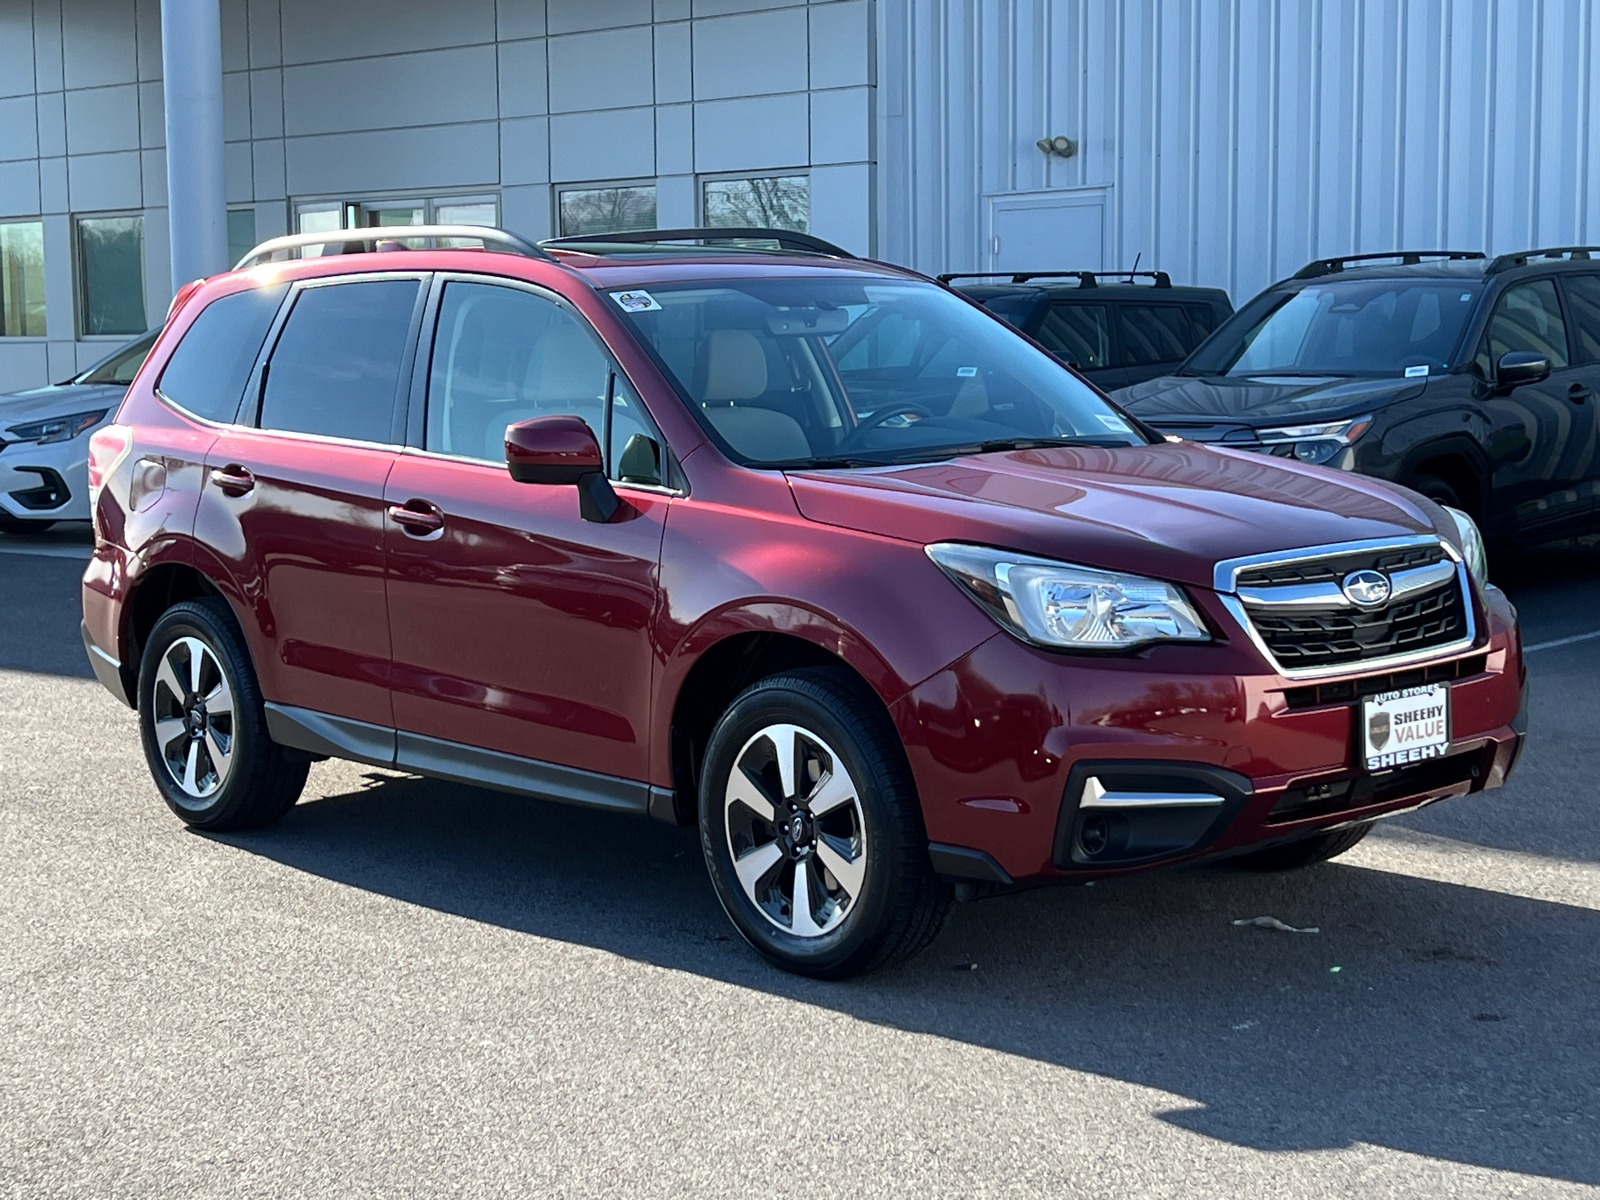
(562, 450)
(1517, 367)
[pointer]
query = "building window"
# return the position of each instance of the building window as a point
(22, 279)
(325, 216)
(760, 201)
(111, 274)
(241, 233)
(614, 209)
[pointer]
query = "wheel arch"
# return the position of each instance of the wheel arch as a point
(1459, 461)
(728, 655)
(158, 588)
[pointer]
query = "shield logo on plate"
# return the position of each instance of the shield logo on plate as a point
(1378, 730)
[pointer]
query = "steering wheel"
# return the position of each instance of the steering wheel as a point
(885, 414)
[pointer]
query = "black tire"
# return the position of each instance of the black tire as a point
(255, 781)
(901, 904)
(1319, 847)
(19, 527)
(1438, 490)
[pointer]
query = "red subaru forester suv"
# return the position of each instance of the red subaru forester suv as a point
(802, 548)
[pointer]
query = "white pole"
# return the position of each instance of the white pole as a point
(197, 206)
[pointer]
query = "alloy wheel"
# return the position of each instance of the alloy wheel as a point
(192, 709)
(795, 830)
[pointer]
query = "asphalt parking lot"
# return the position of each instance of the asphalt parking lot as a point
(412, 988)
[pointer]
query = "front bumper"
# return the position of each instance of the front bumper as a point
(45, 483)
(1003, 742)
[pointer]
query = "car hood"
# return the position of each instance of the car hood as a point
(1175, 400)
(57, 400)
(1172, 510)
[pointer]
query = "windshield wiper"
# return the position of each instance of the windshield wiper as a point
(823, 464)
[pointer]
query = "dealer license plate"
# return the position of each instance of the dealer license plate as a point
(1405, 727)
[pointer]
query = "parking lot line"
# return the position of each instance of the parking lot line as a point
(1566, 641)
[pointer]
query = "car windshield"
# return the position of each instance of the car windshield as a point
(122, 365)
(1349, 327)
(844, 372)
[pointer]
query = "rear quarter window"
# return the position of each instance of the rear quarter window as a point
(1153, 333)
(207, 372)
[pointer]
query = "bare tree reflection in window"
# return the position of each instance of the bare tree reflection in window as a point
(763, 201)
(607, 210)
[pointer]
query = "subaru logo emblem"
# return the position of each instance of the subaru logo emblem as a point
(1366, 589)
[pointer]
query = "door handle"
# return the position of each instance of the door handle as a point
(419, 518)
(1577, 393)
(233, 479)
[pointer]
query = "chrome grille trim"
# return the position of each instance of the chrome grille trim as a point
(1306, 597)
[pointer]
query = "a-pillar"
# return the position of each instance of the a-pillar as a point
(197, 206)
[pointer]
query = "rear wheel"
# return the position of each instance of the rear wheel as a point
(812, 831)
(203, 725)
(1319, 847)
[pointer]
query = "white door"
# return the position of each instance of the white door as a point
(1047, 231)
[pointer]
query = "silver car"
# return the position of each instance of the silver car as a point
(44, 440)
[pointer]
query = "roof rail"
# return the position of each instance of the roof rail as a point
(1086, 279)
(1408, 258)
(355, 241)
(1521, 259)
(787, 239)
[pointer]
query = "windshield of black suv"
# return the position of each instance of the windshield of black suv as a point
(845, 372)
(1344, 327)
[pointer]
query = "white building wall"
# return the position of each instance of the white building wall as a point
(361, 99)
(1231, 141)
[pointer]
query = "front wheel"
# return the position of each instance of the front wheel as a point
(812, 831)
(203, 725)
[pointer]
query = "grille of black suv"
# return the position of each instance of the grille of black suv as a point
(1306, 635)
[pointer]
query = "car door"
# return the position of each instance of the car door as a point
(1153, 339)
(293, 501)
(518, 626)
(1581, 297)
(1541, 439)
(1079, 334)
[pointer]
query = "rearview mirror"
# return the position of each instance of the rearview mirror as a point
(1517, 367)
(562, 450)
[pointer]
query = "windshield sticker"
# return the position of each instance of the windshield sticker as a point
(1466, 295)
(1112, 422)
(966, 372)
(1413, 372)
(636, 301)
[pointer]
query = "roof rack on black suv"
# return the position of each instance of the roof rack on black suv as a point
(1408, 258)
(787, 239)
(1086, 279)
(1469, 380)
(1523, 257)
(356, 241)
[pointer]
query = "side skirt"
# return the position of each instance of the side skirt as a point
(340, 737)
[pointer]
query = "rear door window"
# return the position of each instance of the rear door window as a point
(207, 372)
(1153, 333)
(1202, 320)
(1077, 333)
(336, 368)
(1583, 306)
(1527, 317)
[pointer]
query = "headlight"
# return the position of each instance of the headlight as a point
(1315, 444)
(1066, 607)
(57, 429)
(1471, 544)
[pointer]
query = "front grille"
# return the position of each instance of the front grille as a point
(1346, 691)
(1319, 630)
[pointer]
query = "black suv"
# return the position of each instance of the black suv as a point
(1114, 333)
(1470, 379)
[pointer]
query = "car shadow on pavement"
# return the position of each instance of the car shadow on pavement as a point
(42, 602)
(1435, 1019)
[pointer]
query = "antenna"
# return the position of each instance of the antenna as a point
(1136, 259)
